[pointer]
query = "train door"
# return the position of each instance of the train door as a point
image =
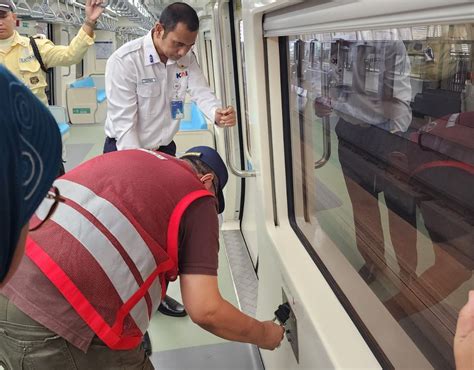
(248, 221)
(226, 77)
(357, 231)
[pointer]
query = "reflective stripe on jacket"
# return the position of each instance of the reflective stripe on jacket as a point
(21, 61)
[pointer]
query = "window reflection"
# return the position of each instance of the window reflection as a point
(395, 195)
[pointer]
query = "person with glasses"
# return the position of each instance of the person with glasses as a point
(111, 234)
(30, 154)
(18, 55)
(146, 83)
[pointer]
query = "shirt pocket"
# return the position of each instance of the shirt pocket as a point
(32, 75)
(148, 96)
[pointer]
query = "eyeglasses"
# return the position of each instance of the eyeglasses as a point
(54, 196)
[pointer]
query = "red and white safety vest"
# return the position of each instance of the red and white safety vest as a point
(111, 247)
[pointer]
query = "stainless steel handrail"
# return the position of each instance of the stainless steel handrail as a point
(326, 128)
(36, 10)
(23, 9)
(326, 144)
(229, 152)
(49, 14)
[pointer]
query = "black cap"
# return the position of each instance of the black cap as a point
(214, 161)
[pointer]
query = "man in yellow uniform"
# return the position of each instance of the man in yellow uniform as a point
(16, 52)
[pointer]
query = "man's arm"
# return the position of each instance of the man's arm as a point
(207, 102)
(59, 55)
(209, 310)
(121, 91)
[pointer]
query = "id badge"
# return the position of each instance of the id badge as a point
(177, 109)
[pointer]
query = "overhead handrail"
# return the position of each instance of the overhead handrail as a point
(229, 148)
(61, 15)
(23, 9)
(49, 14)
(68, 15)
(76, 19)
(37, 10)
(82, 12)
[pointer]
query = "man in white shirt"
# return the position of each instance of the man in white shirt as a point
(147, 80)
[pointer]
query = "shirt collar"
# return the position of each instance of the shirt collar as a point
(151, 55)
(17, 39)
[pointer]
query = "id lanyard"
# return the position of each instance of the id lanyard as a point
(177, 104)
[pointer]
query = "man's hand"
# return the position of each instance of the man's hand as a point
(464, 338)
(225, 117)
(94, 9)
(272, 335)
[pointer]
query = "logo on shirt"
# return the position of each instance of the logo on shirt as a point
(182, 74)
(34, 80)
(151, 59)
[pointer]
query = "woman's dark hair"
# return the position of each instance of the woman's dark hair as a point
(179, 13)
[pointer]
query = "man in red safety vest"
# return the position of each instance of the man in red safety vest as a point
(97, 264)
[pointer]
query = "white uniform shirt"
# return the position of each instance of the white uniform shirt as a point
(140, 89)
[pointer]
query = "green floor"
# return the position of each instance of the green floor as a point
(168, 333)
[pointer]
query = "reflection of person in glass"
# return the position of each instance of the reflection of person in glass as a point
(441, 160)
(370, 93)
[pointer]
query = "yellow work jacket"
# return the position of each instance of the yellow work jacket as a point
(21, 61)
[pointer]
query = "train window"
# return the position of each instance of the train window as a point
(382, 140)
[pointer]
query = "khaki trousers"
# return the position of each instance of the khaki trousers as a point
(26, 344)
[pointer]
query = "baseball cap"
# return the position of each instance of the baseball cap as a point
(30, 155)
(214, 161)
(7, 5)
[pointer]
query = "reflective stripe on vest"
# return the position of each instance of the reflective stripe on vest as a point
(115, 222)
(106, 255)
(72, 219)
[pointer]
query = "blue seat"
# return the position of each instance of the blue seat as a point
(89, 82)
(63, 128)
(197, 121)
(83, 82)
(101, 96)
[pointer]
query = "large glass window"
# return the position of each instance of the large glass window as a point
(382, 134)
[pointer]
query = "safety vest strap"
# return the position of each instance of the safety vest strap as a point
(111, 336)
(173, 228)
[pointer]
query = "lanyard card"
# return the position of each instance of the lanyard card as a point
(177, 109)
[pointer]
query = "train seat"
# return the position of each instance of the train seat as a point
(59, 114)
(193, 129)
(86, 100)
(193, 121)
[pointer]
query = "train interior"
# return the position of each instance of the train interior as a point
(352, 166)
